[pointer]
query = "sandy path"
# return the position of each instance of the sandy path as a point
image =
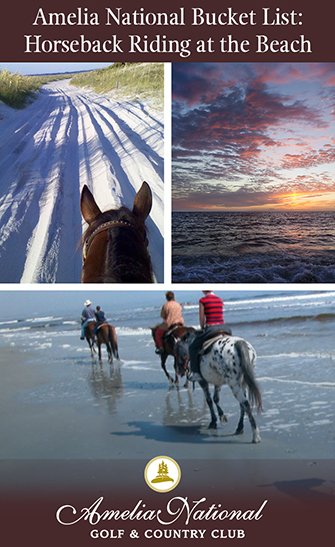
(66, 138)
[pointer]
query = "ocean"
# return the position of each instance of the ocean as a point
(59, 403)
(240, 247)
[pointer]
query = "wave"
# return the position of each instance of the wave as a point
(323, 317)
(273, 299)
(274, 309)
(13, 331)
(129, 331)
(280, 267)
(42, 319)
(296, 300)
(298, 355)
(299, 382)
(145, 331)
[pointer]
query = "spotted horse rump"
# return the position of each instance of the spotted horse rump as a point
(229, 360)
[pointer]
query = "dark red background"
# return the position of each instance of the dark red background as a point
(17, 18)
(299, 511)
(31, 492)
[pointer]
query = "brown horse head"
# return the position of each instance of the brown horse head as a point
(171, 341)
(115, 242)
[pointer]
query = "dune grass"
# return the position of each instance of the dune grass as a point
(133, 80)
(16, 90)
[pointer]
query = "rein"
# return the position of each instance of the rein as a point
(103, 227)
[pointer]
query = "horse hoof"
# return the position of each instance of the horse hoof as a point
(239, 432)
(212, 425)
(223, 419)
(256, 440)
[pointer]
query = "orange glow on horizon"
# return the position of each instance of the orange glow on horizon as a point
(293, 201)
(307, 201)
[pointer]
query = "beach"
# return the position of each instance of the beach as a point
(60, 403)
(66, 138)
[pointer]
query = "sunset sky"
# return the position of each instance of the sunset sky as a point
(253, 136)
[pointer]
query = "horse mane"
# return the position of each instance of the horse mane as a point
(127, 259)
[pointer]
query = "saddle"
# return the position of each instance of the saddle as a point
(101, 325)
(172, 329)
(207, 345)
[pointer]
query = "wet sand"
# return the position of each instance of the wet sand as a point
(77, 409)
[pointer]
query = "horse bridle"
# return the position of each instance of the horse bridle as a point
(103, 227)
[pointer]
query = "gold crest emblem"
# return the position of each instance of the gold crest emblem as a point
(162, 474)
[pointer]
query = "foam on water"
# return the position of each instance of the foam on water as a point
(249, 248)
(297, 382)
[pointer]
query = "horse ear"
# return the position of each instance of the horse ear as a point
(143, 202)
(89, 208)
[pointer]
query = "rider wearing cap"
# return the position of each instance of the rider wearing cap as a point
(87, 315)
(211, 320)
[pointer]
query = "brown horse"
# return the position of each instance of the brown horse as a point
(90, 336)
(106, 334)
(170, 341)
(115, 242)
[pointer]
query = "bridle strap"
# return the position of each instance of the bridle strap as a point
(102, 228)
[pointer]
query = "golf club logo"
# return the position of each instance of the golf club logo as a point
(162, 474)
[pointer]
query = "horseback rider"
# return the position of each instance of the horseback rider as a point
(87, 315)
(100, 315)
(100, 318)
(211, 321)
(172, 314)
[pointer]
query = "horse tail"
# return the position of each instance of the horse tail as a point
(248, 373)
(113, 341)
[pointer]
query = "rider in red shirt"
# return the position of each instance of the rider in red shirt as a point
(211, 320)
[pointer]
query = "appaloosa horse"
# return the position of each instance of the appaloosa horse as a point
(115, 242)
(106, 334)
(170, 341)
(230, 360)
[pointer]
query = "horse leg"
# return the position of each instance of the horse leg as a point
(99, 352)
(240, 425)
(164, 357)
(205, 388)
(186, 382)
(90, 345)
(216, 399)
(176, 377)
(110, 352)
(240, 395)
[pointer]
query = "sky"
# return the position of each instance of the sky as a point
(253, 136)
(48, 68)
